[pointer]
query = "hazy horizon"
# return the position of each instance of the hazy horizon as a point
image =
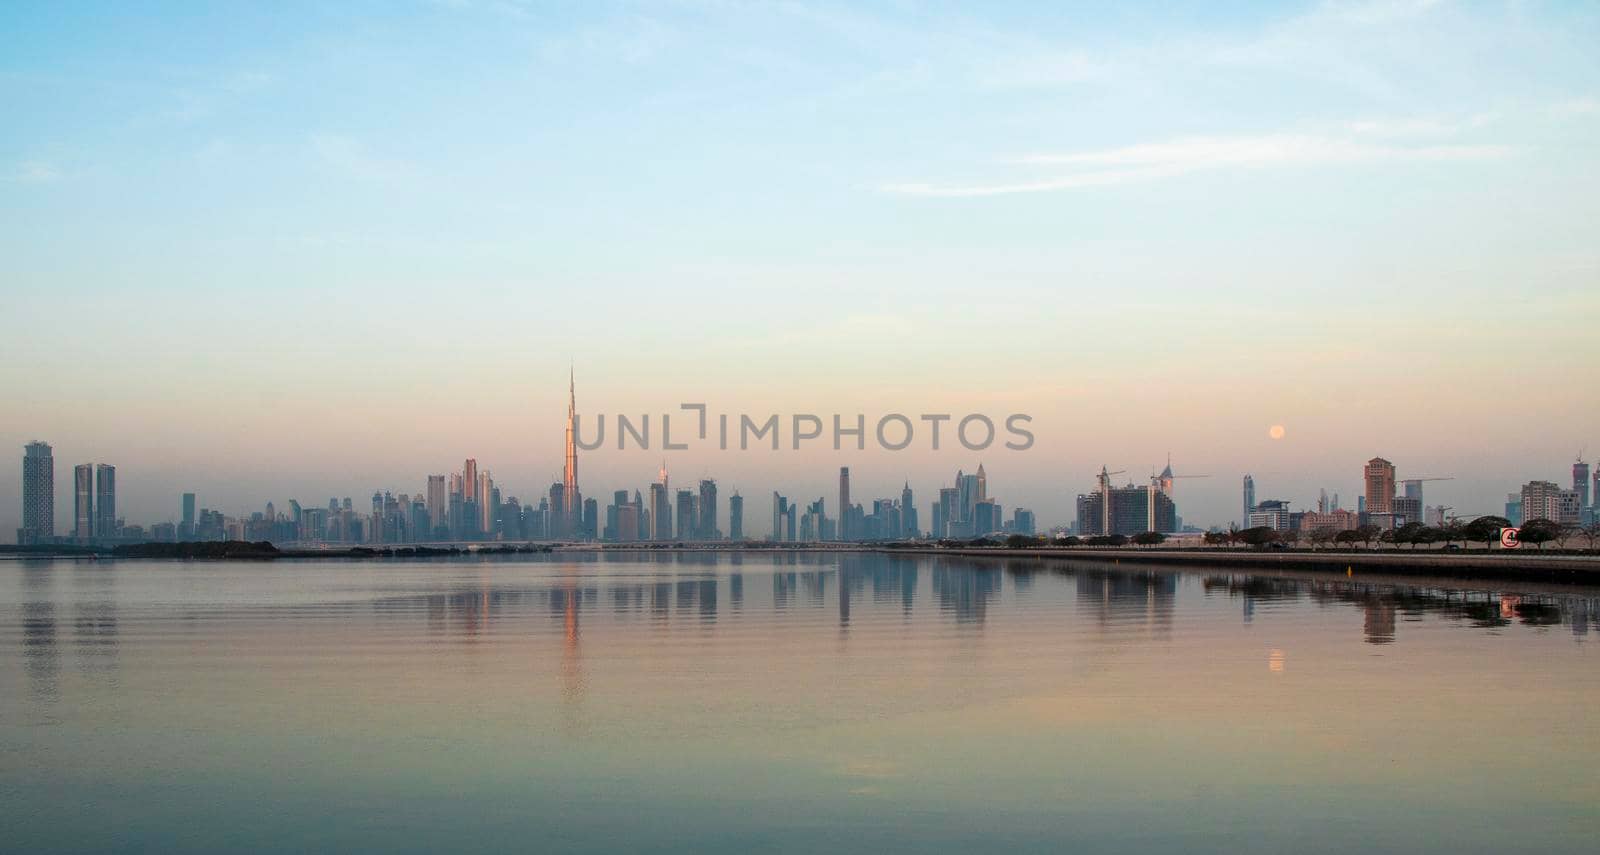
(304, 251)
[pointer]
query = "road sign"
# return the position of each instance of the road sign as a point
(1508, 538)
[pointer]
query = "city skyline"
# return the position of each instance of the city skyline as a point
(467, 505)
(1259, 238)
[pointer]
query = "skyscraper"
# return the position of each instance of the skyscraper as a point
(38, 494)
(736, 516)
(1249, 501)
(1379, 476)
(1580, 482)
(661, 508)
(486, 503)
(982, 486)
(780, 510)
(908, 513)
(83, 502)
(569, 473)
(105, 500)
(844, 503)
(686, 514)
(707, 510)
(438, 503)
(469, 480)
(969, 487)
(188, 516)
(949, 511)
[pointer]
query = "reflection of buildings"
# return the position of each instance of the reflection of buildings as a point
(1382, 604)
(965, 589)
(1378, 621)
(1134, 598)
(39, 653)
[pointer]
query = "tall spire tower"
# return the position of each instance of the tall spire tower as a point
(569, 476)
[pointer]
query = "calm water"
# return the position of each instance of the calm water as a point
(792, 703)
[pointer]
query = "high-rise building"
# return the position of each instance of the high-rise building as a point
(707, 510)
(1125, 510)
(591, 519)
(83, 502)
(1546, 500)
(949, 511)
(438, 504)
(967, 488)
(1022, 521)
(486, 503)
(1271, 513)
(985, 518)
(38, 494)
(1514, 508)
(981, 486)
(844, 504)
(560, 525)
(1541, 500)
(736, 516)
(1580, 482)
(780, 513)
(105, 501)
(686, 514)
(188, 517)
(1407, 509)
(1379, 477)
(469, 480)
(569, 472)
(660, 508)
(908, 513)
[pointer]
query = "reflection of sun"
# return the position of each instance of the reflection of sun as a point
(1275, 661)
(1276, 432)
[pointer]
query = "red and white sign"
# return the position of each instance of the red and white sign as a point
(1508, 538)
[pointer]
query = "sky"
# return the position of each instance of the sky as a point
(302, 250)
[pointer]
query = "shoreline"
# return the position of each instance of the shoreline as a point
(1462, 566)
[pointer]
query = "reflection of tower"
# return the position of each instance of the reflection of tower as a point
(571, 658)
(571, 502)
(1378, 622)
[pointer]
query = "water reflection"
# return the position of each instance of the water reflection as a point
(475, 603)
(1383, 604)
(39, 632)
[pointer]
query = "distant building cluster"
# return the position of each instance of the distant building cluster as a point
(1132, 509)
(468, 506)
(1389, 503)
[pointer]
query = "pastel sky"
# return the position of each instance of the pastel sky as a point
(301, 250)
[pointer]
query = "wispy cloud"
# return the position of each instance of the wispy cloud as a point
(1151, 161)
(355, 159)
(1576, 107)
(32, 172)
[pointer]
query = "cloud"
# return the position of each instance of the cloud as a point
(1575, 107)
(352, 157)
(1152, 161)
(32, 172)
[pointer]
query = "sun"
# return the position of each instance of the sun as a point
(1275, 432)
